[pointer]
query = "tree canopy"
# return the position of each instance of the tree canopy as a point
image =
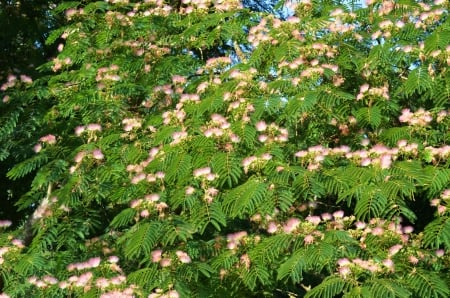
(198, 148)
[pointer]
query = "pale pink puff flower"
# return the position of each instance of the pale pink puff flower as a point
(117, 280)
(165, 262)
(261, 126)
(338, 214)
(326, 216)
(50, 280)
(160, 175)
(102, 283)
(441, 209)
(156, 255)
(161, 206)
(202, 172)
(135, 203)
(173, 294)
(315, 220)
(138, 178)
(83, 279)
(97, 154)
(37, 148)
(145, 213)
(49, 139)
(94, 262)
(385, 161)
(211, 177)
(79, 130)
(301, 154)
(445, 194)
(113, 259)
(388, 263)
(377, 231)
(18, 243)
(189, 190)
(343, 262)
(394, 249)
(245, 260)
(272, 227)
(408, 229)
(344, 271)
(439, 253)
(183, 257)
(26, 79)
(291, 225)
(413, 260)
(5, 224)
(309, 239)
(94, 127)
(152, 197)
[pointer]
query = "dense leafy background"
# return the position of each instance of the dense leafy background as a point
(201, 149)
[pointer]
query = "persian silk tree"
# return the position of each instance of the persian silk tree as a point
(198, 149)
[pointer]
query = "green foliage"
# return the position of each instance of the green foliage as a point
(190, 151)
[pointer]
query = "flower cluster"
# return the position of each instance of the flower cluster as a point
(165, 260)
(48, 139)
(148, 205)
(12, 81)
(236, 239)
(59, 63)
(419, 118)
(271, 133)
(373, 92)
(105, 74)
(255, 163)
(442, 203)
(131, 123)
(219, 128)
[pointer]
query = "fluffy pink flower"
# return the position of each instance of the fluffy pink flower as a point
(272, 227)
(291, 225)
(165, 262)
(97, 154)
(156, 255)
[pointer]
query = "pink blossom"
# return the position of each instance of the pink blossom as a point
(315, 220)
(202, 172)
(272, 227)
(189, 190)
(309, 239)
(97, 154)
(394, 249)
(37, 148)
(165, 262)
(389, 264)
(49, 139)
(102, 283)
(156, 255)
(94, 262)
(5, 224)
(145, 213)
(385, 161)
(291, 225)
(183, 257)
(154, 197)
(94, 127)
(113, 259)
(344, 271)
(413, 260)
(440, 253)
(26, 79)
(338, 214)
(377, 231)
